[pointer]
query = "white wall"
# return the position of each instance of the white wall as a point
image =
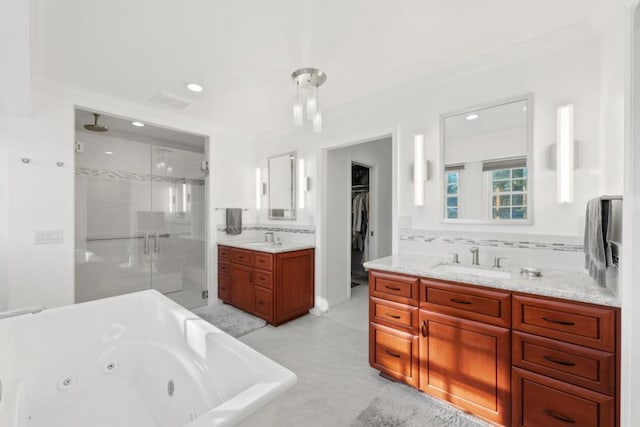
(377, 154)
(4, 223)
(557, 71)
(41, 195)
(623, 43)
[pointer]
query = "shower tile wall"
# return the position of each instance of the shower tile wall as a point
(125, 189)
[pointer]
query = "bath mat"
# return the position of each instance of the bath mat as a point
(233, 321)
(398, 405)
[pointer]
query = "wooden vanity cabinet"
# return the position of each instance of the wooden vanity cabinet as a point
(465, 348)
(224, 273)
(276, 287)
(508, 358)
(393, 327)
(565, 363)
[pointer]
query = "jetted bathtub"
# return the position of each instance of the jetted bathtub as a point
(137, 360)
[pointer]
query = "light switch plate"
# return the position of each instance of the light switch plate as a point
(43, 237)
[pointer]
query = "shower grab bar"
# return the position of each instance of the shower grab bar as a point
(97, 239)
(21, 311)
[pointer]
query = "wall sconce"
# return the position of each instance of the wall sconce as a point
(565, 154)
(303, 184)
(419, 170)
(258, 189)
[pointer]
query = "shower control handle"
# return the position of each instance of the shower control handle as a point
(156, 243)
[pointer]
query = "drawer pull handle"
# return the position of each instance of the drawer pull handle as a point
(261, 302)
(558, 361)
(459, 301)
(424, 328)
(559, 322)
(391, 288)
(560, 417)
(392, 315)
(392, 354)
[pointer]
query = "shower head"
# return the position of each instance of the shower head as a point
(95, 127)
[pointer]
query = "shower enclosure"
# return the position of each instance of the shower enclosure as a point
(140, 219)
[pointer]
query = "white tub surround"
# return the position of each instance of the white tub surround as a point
(137, 360)
(569, 285)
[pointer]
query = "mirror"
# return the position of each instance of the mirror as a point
(282, 186)
(486, 158)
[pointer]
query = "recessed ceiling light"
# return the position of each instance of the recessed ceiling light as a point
(524, 108)
(108, 152)
(138, 124)
(472, 117)
(195, 87)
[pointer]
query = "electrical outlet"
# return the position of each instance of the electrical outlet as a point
(43, 237)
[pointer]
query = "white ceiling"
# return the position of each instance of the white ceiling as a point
(243, 51)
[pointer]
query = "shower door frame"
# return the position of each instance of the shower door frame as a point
(206, 294)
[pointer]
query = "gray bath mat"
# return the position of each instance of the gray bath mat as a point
(397, 405)
(231, 320)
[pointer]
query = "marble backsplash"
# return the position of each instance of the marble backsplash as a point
(521, 250)
(289, 233)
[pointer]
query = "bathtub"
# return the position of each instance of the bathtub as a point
(137, 360)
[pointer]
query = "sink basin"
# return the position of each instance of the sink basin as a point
(491, 273)
(260, 244)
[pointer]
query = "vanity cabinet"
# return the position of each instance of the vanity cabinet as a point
(276, 287)
(506, 357)
(465, 348)
(565, 363)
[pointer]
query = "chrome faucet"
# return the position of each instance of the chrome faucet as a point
(496, 261)
(268, 236)
(475, 253)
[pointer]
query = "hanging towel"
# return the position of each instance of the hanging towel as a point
(234, 220)
(594, 242)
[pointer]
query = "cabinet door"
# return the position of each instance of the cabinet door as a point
(242, 287)
(466, 363)
(263, 306)
(224, 288)
(394, 353)
(545, 402)
(294, 284)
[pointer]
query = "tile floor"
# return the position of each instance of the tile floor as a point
(330, 356)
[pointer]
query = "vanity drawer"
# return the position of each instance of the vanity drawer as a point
(224, 268)
(224, 288)
(394, 287)
(263, 261)
(224, 254)
(242, 256)
(467, 302)
(263, 300)
(394, 315)
(263, 278)
(395, 353)
(582, 324)
(589, 368)
(541, 401)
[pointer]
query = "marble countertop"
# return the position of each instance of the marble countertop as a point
(574, 286)
(268, 247)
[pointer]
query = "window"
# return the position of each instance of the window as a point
(509, 193)
(453, 190)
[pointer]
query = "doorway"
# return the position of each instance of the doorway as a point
(359, 209)
(141, 204)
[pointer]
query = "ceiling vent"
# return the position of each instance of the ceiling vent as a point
(169, 100)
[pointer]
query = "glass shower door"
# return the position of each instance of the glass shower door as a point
(178, 235)
(112, 205)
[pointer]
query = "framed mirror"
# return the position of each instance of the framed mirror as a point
(282, 186)
(486, 163)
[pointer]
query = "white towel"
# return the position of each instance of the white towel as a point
(594, 243)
